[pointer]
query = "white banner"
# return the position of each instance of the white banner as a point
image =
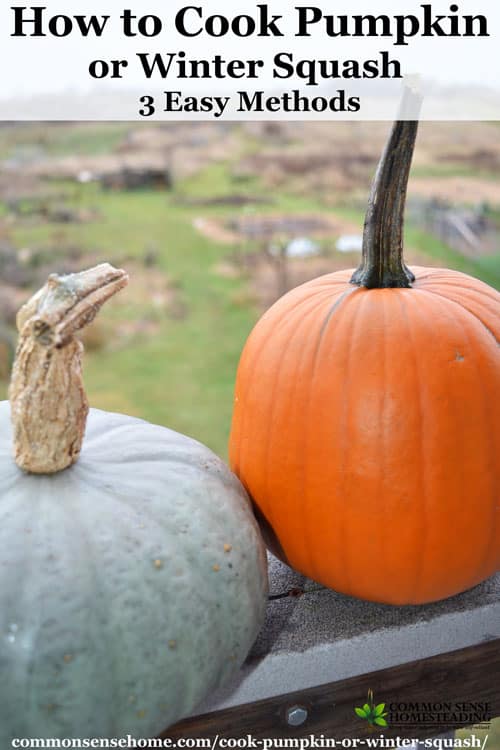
(224, 60)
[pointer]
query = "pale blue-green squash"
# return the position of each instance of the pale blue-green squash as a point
(132, 583)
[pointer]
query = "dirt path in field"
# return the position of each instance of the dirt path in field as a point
(269, 227)
(461, 190)
(215, 230)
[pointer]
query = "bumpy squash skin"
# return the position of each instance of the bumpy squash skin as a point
(131, 585)
(366, 429)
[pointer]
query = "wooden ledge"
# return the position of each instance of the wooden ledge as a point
(321, 648)
(458, 677)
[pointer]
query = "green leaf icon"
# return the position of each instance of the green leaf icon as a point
(361, 713)
(374, 714)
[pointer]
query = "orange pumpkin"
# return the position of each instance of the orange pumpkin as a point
(366, 420)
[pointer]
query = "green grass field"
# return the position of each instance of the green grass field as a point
(183, 375)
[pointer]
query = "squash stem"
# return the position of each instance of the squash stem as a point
(48, 402)
(382, 263)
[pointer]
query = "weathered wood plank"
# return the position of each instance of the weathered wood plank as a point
(466, 675)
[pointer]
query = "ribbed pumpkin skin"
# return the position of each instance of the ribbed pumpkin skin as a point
(366, 429)
(113, 618)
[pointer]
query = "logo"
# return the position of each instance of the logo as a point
(439, 713)
(429, 714)
(373, 714)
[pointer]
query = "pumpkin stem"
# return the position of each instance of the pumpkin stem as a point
(48, 403)
(382, 263)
